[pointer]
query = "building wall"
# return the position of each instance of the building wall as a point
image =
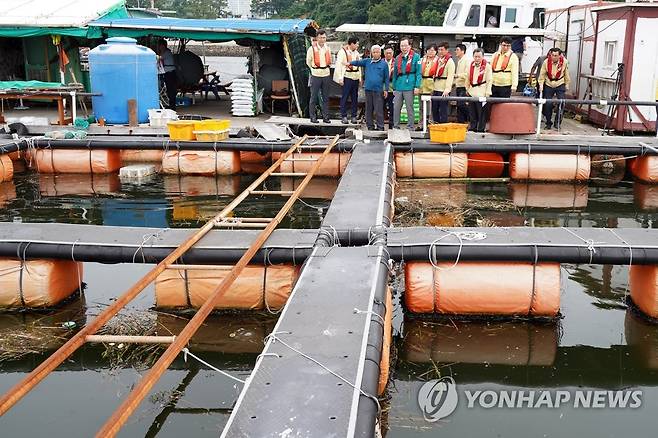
(240, 8)
(645, 66)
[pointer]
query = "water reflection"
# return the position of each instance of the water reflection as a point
(536, 204)
(158, 201)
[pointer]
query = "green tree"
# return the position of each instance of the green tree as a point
(389, 12)
(270, 8)
(187, 8)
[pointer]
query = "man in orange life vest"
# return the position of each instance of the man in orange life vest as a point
(478, 84)
(505, 68)
(429, 65)
(318, 59)
(349, 77)
(445, 75)
(388, 102)
(554, 80)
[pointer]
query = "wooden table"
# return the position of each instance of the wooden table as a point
(45, 95)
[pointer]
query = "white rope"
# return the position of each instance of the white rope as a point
(186, 352)
(145, 239)
(275, 339)
(332, 234)
(470, 236)
(590, 243)
(77, 267)
(369, 312)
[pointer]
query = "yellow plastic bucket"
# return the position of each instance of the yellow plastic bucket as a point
(212, 125)
(211, 135)
(448, 132)
(181, 130)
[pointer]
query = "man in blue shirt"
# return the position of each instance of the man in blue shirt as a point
(376, 85)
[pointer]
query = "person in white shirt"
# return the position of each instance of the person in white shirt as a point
(168, 66)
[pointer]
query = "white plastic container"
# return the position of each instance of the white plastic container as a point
(136, 171)
(158, 118)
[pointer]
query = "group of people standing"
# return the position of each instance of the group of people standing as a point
(392, 80)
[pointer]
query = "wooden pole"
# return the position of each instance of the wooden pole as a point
(124, 339)
(132, 112)
(141, 390)
(18, 391)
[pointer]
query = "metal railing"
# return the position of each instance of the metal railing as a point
(536, 101)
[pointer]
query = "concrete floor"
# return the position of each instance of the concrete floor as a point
(221, 109)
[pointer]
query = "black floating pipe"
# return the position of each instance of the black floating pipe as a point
(146, 254)
(481, 252)
(164, 143)
(264, 147)
(602, 255)
(368, 410)
(533, 100)
(532, 147)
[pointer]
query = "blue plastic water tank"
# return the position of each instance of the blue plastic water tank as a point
(121, 70)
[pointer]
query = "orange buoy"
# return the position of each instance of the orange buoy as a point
(549, 167)
(646, 168)
(6, 168)
(643, 283)
(483, 288)
(37, 283)
(142, 155)
(257, 288)
(201, 162)
(485, 165)
(76, 160)
(431, 164)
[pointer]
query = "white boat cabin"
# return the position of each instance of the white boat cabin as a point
(501, 14)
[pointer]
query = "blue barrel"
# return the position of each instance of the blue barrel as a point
(121, 70)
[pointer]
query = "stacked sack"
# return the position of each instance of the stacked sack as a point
(242, 96)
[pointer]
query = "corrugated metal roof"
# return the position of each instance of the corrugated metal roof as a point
(219, 25)
(437, 30)
(53, 13)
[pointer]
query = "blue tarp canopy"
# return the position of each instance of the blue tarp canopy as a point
(208, 30)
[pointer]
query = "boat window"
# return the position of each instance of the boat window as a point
(537, 19)
(453, 13)
(492, 16)
(473, 19)
(510, 15)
